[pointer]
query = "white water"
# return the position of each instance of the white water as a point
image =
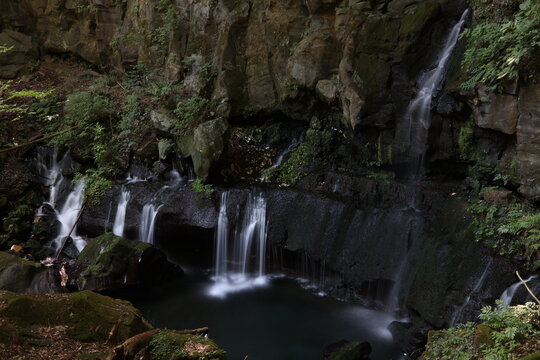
(68, 216)
(509, 293)
(286, 152)
(457, 314)
(50, 171)
(120, 218)
(418, 115)
(241, 266)
(151, 209)
(148, 222)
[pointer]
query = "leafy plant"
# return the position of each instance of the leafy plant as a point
(200, 188)
(189, 111)
(496, 49)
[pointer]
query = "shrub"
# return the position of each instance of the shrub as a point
(496, 49)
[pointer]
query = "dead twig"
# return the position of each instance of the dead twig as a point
(527, 287)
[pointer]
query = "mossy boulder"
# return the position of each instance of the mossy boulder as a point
(168, 345)
(205, 145)
(89, 317)
(24, 276)
(111, 262)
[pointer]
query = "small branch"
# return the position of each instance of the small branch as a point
(38, 140)
(70, 232)
(527, 287)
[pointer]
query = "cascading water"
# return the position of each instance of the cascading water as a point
(51, 171)
(508, 294)
(151, 209)
(68, 216)
(414, 131)
(456, 317)
(241, 266)
(412, 139)
(148, 222)
(120, 218)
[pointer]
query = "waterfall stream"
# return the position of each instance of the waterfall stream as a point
(413, 135)
(508, 294)
(456, 317)
(120, 218)
(68, 216)
(242, 265)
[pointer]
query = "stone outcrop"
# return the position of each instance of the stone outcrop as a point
(20, 50)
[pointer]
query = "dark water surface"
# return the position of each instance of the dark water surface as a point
(277, 321)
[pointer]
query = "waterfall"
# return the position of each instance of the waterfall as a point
(68, 216)
(148, 220)
(151, 209)
(509, 293)
(242, 265)
(50, 170)
(458, 313)
(222, 236)
(293, 145)
(418, 115)
(120, 218)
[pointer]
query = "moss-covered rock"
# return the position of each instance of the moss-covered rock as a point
(88, 316)
(168, 345)
(24, 276)
(111, 262)
(205, 145)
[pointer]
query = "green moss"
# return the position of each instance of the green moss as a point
(88, 316)
(105, 255)
(168, 345)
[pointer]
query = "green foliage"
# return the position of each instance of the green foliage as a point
(511, 229)
(17, 225)
(190, 111)
(465, 139)
(161, 34)
(85, 6)
(496, 49)
(508, 328)
(200, 188)
(5, 49)
(96, 185)
(10, 105)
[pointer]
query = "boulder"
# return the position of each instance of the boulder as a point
(111, 262)
(162, 119)
(206, 145)
(88, 316)
(21, 51)
(24, 276)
